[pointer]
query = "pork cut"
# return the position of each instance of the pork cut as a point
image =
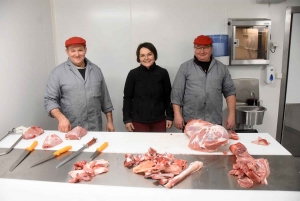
(84, 171)
(33, 132)
(76, 133)
(246, 167)
(164, 168)
(204, 136)
(261, 141)
(233, 135)
(193, 167)
(51, 141)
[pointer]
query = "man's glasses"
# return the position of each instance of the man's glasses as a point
(205, 48)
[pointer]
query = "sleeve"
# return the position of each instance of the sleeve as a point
(106, 104)
(228, 87)
(128, 97)
(53, 93)
(178, 87)
(167, 96)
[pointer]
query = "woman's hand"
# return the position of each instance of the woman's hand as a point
(169, 123)
(129, 127)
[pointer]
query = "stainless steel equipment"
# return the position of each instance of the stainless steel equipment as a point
(249, 41)
(55, 154)
(250, 115)
(99, 150)
(77, 152)
(27, 151)
(12, 146)
(249, 110)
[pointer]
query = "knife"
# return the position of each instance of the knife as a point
(12, 146)
(77, 152)
(55, 154)
(27, 151)
(99, 150)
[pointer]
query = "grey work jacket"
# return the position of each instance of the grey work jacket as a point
(200, 94)
(81, 101)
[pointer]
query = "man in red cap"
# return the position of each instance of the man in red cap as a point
(77, 93)
(199, 85)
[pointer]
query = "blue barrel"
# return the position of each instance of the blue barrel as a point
(220, 45)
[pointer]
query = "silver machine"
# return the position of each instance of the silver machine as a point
(249, 108)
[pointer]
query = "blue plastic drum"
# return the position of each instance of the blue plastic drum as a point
(220, 45)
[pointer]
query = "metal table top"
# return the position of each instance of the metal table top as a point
(285, 171)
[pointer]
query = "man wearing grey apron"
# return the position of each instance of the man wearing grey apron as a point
(76, 92)
(199, 85)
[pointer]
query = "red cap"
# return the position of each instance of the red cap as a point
(203, 40)
(75, 40)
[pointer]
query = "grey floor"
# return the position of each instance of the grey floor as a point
(291, 140)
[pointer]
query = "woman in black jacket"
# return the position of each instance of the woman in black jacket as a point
(146, 102)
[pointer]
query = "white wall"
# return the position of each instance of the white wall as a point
(293, 84)
(113, 29)
(26, 58)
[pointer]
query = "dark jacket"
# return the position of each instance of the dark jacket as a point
(147, 95)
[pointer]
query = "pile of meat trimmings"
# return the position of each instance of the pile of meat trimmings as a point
(164, 168)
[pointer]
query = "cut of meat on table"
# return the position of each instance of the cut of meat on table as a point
(245, 182)
(233, 135)
(51, 141)
(33, 132)
(84, 171)
(193, 167)
(246, 167)
(160, 167)
(76, 133)
(261, 141)
(204, 136)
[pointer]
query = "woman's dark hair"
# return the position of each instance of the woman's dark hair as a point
(147, 45)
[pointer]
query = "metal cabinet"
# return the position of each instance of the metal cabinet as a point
(249, 41)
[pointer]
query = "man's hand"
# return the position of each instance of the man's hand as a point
(64, 125)
(169, 124)
(129, 127)
(230, 122)
(110, 127)
(179, 122)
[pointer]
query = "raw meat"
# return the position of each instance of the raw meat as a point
(76, 133)
(204, 136)
(51, 141)
(193, 167)
(261, 141)
(245, 183)
(256, 170)
(33, 132)
(233, 135)
(84, 171)
(160, 167)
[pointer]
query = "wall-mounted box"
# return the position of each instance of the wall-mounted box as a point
(249, 41)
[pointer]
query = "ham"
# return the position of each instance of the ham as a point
(33, 132)
(51, 141)
(248, 168)
(76, 133)
(204, 136)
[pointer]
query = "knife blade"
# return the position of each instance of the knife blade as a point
(99, 150)
(77, 152)
(27, 151)
(12, 146)
(55, 154)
